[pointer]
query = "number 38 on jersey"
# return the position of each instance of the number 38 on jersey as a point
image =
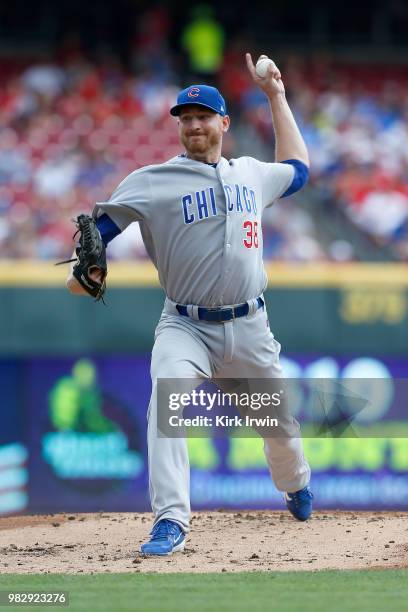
(251, 234)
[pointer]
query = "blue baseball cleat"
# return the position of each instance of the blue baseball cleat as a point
(167, 538)
(300, 503)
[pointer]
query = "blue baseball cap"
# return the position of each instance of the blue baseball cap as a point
(203, 95)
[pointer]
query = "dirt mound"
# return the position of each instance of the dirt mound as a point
(219, 541)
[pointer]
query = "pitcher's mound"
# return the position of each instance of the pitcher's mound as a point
(218, 541)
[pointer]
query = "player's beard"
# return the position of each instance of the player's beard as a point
(201, 146)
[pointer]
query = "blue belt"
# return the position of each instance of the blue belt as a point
(222, 314)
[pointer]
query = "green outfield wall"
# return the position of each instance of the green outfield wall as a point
(321, 308)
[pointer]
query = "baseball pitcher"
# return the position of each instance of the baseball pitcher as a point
(201, 221)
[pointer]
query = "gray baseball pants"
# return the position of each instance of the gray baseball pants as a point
(187, 348)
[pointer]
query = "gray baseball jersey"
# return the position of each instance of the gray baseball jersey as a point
(202, 229)
(201, 225)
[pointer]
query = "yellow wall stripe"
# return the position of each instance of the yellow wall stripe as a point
(143, 274)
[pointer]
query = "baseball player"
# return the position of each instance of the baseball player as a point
(201, 220)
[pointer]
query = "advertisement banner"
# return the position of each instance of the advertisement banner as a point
(73, 438)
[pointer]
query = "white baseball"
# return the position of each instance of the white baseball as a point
(262, 65)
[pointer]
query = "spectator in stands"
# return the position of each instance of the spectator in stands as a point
(203, 40)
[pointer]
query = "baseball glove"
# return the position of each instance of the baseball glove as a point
(90, 257)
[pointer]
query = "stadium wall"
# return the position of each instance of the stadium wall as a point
(338, 309)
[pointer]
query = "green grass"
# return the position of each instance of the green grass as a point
(326, 591)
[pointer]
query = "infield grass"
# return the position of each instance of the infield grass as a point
(325, 591)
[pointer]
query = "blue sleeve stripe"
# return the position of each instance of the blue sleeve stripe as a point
(300, 178)
(107, 228)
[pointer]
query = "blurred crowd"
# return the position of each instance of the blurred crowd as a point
(71, 129)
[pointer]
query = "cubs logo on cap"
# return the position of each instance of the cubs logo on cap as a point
(194, 92)
(203, 95)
